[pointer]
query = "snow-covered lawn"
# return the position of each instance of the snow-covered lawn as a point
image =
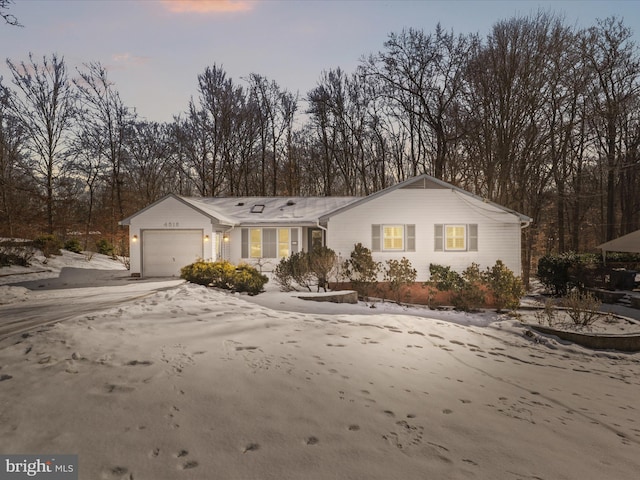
(200, 384)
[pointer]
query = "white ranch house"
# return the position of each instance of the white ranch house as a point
(423, 218)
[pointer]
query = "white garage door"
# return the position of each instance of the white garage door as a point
(165, 252)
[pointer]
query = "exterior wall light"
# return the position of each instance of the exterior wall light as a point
(206, 238)
(225, 238)
(134, 239)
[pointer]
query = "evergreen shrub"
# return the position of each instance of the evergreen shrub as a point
(73, 245)
(105, 247)
(48, 244)
(223, 274)
(362, 270)
(399, 274)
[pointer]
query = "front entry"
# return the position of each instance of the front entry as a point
(315, 238)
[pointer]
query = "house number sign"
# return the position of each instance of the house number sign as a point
(171, 224)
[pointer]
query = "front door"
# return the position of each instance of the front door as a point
(315, 238)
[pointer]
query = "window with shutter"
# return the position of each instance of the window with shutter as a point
(411, 238)
(438, 240)
(456, 237)
(375, 238)
(393, 237)
(473, 237)
(255, 242)
(244, 237)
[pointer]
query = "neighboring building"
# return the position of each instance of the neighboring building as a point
(423, 219)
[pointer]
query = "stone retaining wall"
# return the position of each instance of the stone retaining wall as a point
(347, 296)
(623, 343)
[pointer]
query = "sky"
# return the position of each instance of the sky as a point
(154, 50)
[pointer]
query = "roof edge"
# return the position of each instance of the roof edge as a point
(328, 215)
(127, 221)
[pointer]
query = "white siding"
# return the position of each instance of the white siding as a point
(498, 231)
(170, 214)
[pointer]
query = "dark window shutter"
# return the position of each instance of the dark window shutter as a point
(472, 232)
(411, 238)
(438, 240)
(244, 234)
(375, 238)
(294, 240)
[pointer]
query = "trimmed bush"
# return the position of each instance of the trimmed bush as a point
(223, 274)
(246, 278)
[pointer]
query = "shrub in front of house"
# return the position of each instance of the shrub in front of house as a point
(48, 244)
(223, 274)
(247, 279)
(293, 272)
(73, 245)
(470, 293)
(362, 270)
(505, 287)
(400, 274)
(470, 289)
(305, 269)
(323, 263)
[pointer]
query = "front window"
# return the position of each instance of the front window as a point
(255, 243)
(393, 237)
(456, 237)
(283, 242)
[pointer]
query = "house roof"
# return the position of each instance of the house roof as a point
(234, 211)
(627, 243)
(425, 182)
(216, 216)
(269, 210)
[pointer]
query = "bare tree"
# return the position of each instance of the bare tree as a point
(424, 75)
(106, 121)
(276, 109)
(45, 107)
(150, 167)
(6, 16)
(613, 58)
(15, 188)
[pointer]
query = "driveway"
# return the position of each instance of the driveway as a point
(75, 292)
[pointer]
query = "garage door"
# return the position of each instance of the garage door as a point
(165, 252)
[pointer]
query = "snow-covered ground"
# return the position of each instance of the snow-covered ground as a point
(199, 384)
